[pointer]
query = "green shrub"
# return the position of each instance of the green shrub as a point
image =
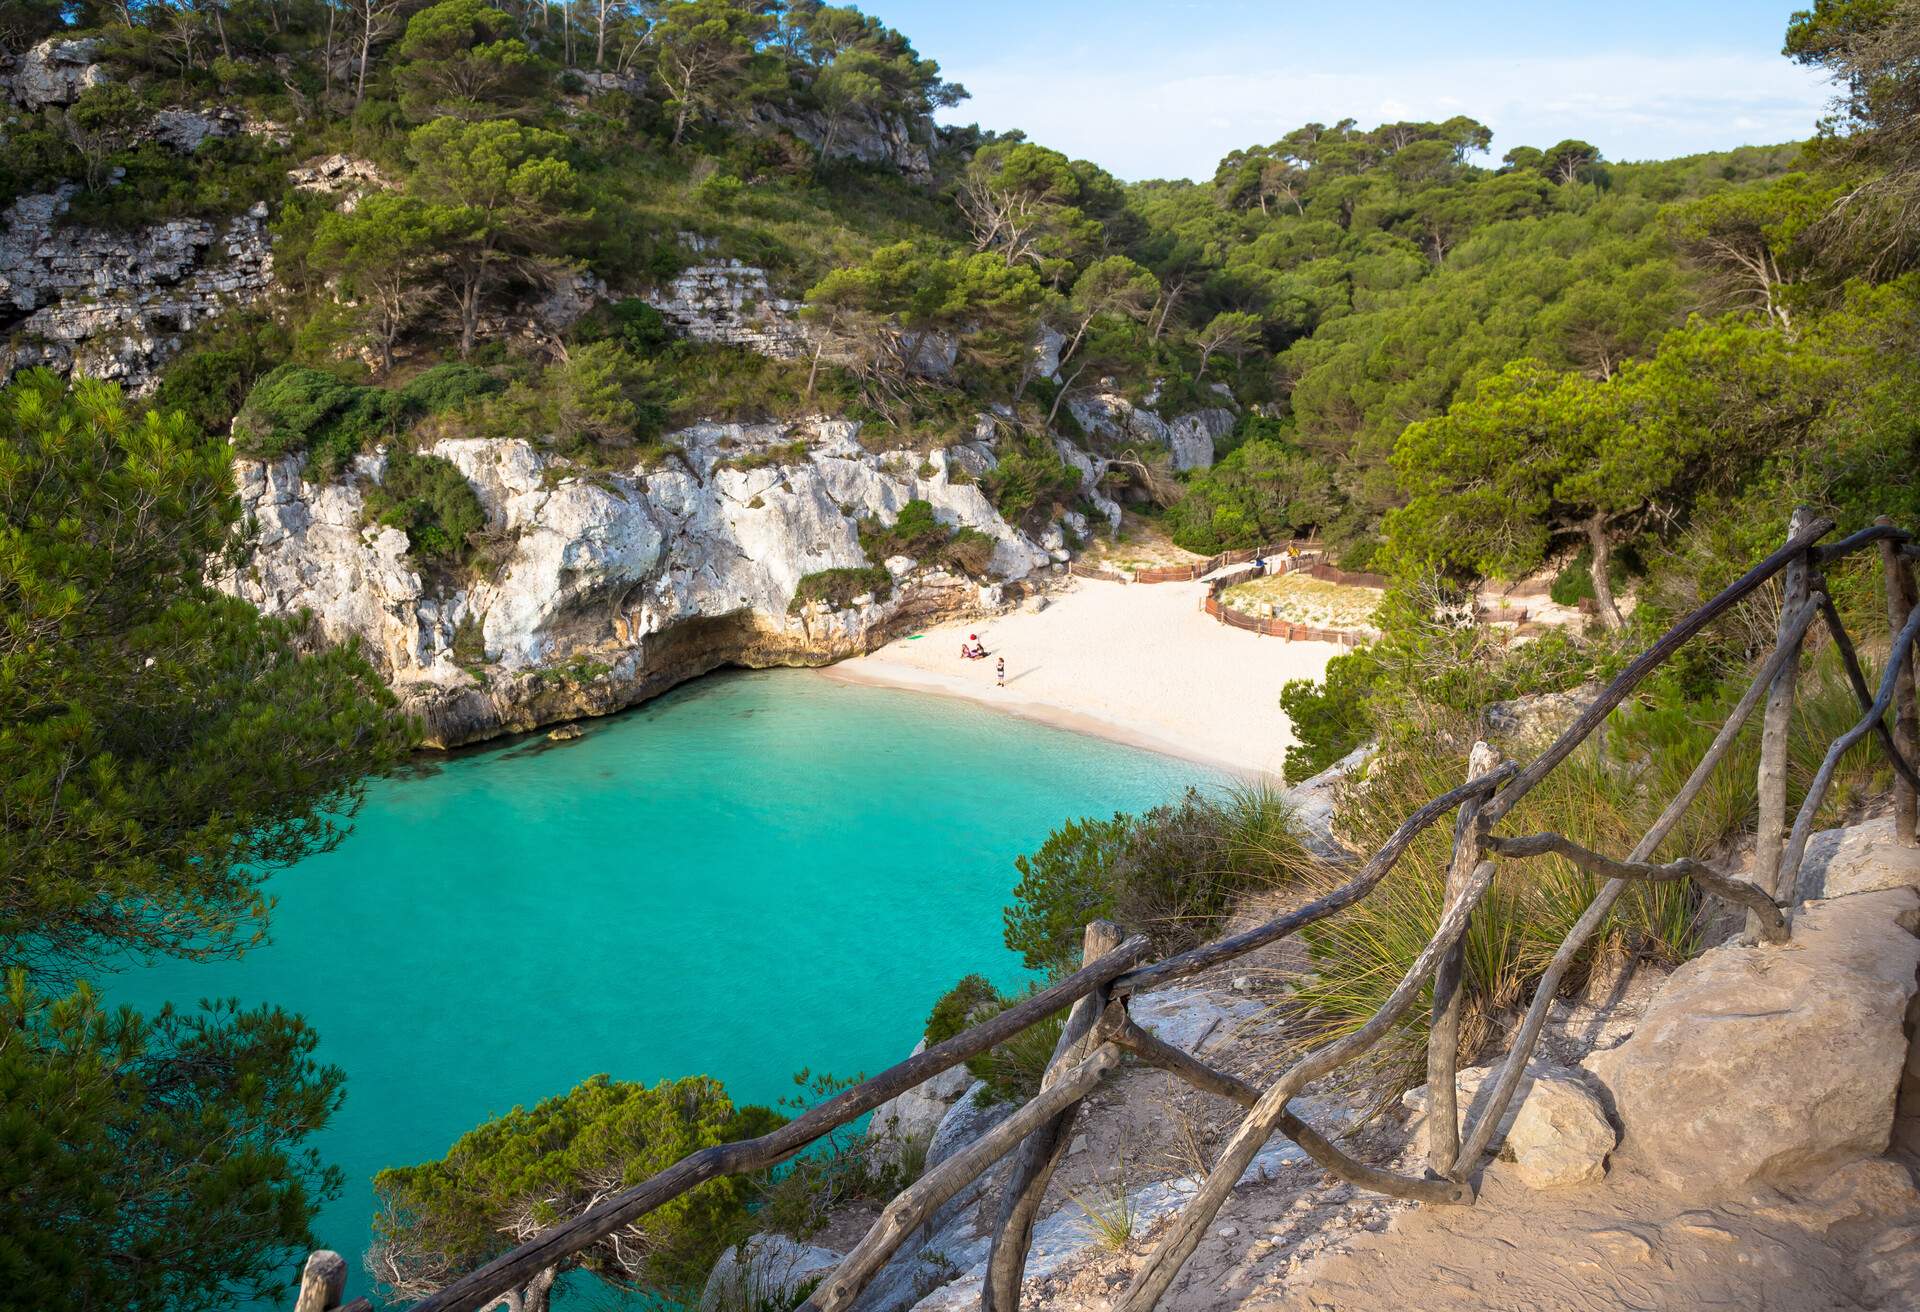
(1013, 1069)
(1574, 583)
(1263, 491)
(1332, 716)
(447, 386)
(970, 551)
(634, 324)
(1029, 481)
(785, 453)
(295, 408)
(838, 587)
(557, 1159)
(967, 1003)
(1170, 873)
(210, 380)
(915, 533)
(432, 501)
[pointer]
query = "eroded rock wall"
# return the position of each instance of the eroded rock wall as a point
(104, 303)
(613, 586)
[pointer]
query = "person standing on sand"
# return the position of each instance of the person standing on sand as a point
(1000, 672)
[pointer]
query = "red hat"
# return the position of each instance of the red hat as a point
(973, 635)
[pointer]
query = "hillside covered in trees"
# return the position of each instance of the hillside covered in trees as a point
(1452, 358)
(1339, 284)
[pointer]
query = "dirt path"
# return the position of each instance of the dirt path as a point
(1624, 1244)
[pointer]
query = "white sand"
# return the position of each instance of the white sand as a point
(1139, 663)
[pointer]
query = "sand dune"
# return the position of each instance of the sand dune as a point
(1141, 663)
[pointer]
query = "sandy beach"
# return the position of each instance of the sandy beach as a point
(1138, 663)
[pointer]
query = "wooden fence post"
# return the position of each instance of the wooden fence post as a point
(1771, 832)
(1443, 1033)
(323, 1282)
(1901, 599)
(1040, 1152)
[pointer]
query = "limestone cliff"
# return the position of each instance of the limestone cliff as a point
(607, 587)
(114, 304)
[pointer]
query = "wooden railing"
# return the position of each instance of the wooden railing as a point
(1099, 1031)
(1238, 556)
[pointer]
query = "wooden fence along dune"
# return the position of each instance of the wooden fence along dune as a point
(1099, 1033)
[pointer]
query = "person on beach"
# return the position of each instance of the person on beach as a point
(1000, 672)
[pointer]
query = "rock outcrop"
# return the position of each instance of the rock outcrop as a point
(55, 72)
(732, 303)
(612, 586)
(111, 304)
(885, 139)
(1764, 1064)
(345, 177)
(914, 1116)
(1191, 437)
(766, 1271)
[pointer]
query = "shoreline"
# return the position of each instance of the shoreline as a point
(855, 670)
(1140, 665)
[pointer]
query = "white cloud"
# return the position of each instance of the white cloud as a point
(1177, 120)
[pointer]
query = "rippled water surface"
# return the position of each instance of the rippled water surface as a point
(756, 873)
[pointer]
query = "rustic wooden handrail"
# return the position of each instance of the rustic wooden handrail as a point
(1098, 1030)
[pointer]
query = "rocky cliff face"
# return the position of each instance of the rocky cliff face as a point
(732, 303)
(110, 304)
(885, 139)
(614, 586)
(107, 303)
(1191, 437)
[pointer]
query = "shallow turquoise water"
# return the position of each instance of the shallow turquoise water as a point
(756, 873)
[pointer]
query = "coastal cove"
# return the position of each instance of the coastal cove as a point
(756, 873)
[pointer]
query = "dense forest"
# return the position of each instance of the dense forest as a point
(1450, 365)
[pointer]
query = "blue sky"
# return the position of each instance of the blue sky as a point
(1164, 90)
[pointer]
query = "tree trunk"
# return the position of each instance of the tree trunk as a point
(1061, 395)
(366, 47)
(468, 297)
(326, 68)
(1601, 570)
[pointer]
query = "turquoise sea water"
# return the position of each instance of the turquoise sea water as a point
(756, 873)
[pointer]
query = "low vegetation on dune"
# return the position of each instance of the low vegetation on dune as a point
(1305, 600)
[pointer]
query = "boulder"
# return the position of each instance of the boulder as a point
(1539, 716)
(56, 72)
(1769, 1063)
(1195, 436)
(1861, 858)
(966, 1120)
(915, 1115)
(766, 1271)
(344, 176)
(1561, 1135)
(1313, 798)
(184, 129)
(1555, 1128)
